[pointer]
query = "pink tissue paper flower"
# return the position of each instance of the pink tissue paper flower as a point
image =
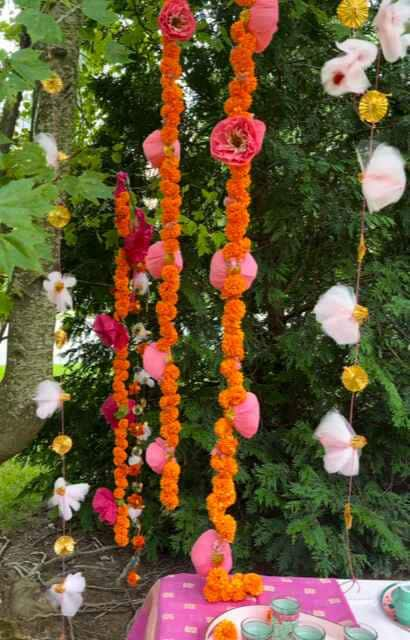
(263, 22)
(111, 332)
(155, 259)
(68, 497)
(335, 435)
(384, 178)
(177, 21)
(137, 243)
(247, 416)
(391, 24)
(57, 288)
(334, 311)
(105, 506)
(219, 270)
(67, 595)
(48, 398)
(109, 408)
(156, 455)
(154, 149)
(345, 74)
(236, 140)
(206, 549)
(154, 361)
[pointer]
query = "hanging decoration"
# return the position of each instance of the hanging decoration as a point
(123, 507)
(383, 183)
(164, 260)
(235, 141)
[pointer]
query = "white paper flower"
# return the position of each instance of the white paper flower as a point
(68, 497)
(134, 514)
(342, 445)
(49, 145)
(345, 74)
(141, 332)
(390, 22)
(147, 432)
(132, 460)
(49, 397)
(143, 378)
(384, 177)
(335, 310)
(57, 288)
(141, 282)
(67, 595)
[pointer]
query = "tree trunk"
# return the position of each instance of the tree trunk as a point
(32, 321)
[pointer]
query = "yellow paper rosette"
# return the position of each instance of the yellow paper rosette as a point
(353, 13)
(355, 378)
(64, 546)
(53, 85)
(59, 217)
(373, 106)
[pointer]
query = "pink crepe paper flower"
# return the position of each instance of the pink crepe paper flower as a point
(156, 455)
(111, 332)
(236, 140)
(57, 288)
(137, 243)
(105, 506)
(247, 416)
(219, 270)
(336, 436)
(391, 22)
(155, 260)
(68, 497)
(122, 180)
(345, 74)
(263, 22)
(109, 409)
(49, 397)
(154, 361)
(384, 178)
(49, 145)
(154, 149)
(67, 595)
(176, 20)
(334, 311)
(209, 551)
(140, 282)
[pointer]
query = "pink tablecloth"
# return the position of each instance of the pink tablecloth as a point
(176, 610)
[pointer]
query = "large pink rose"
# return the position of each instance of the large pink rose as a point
(237, 140)
(111, 332)
(154, 149)
(109, 409)
(176, 20)
(104, 504)
(263, 22)
(137, 243)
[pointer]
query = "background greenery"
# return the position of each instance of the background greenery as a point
(306, 199)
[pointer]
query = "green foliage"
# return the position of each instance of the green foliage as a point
(40, 26)
(17, 502)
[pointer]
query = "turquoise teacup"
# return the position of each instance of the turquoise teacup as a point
(401, 603)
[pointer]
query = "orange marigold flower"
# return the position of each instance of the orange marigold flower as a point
(225, 630)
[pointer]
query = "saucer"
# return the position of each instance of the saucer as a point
(387, 604)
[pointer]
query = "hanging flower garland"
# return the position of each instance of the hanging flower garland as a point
(235, 141)
(383, 183)
(164, 260)
(122, 508)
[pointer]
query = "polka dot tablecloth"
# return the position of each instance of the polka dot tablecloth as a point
(176, 610)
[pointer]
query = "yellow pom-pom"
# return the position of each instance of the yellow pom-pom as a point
(353, 13)
(360, 314)
(64, 546)
(60, 338)
(62, 445)
(59, 217)
(373, 106)
(53, 85)
(355, 378)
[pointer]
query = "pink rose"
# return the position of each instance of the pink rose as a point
(237, 140)
(111, 332)
(109, 409)
(104, 504)
(176, 20)
(263, 22)
(154, 148)
(137, 243)
(122, 179)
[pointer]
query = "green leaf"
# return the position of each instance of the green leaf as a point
(27, 64)
(40, 26)
(28, 4)
(16, 252)
(6, 305)
(27, 161)
(116, 53)
(20, 202)
(88, 186)
(97, 10)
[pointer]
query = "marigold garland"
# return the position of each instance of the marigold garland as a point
(225, 630)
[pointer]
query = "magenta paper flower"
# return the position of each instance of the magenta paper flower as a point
(136, 245)
(109, 409)
(154, 148)
(122, 179)
(390, 22)
(237, 140)
(105, 506)
(111, 332)
(206, 549)
(176, 20)
(263, 22)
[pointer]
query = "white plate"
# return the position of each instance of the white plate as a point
(333, 631)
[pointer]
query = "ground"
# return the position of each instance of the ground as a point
(28, 563)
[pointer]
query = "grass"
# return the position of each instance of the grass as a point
(58, 370)
(16, 504)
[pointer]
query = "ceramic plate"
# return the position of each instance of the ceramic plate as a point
(333, 631)
(386, 601)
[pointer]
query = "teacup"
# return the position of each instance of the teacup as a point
(401, 603)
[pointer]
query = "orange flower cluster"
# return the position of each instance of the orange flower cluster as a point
(225, 630)
(173, 107)
(221, 587)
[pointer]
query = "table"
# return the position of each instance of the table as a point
(365, 604)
